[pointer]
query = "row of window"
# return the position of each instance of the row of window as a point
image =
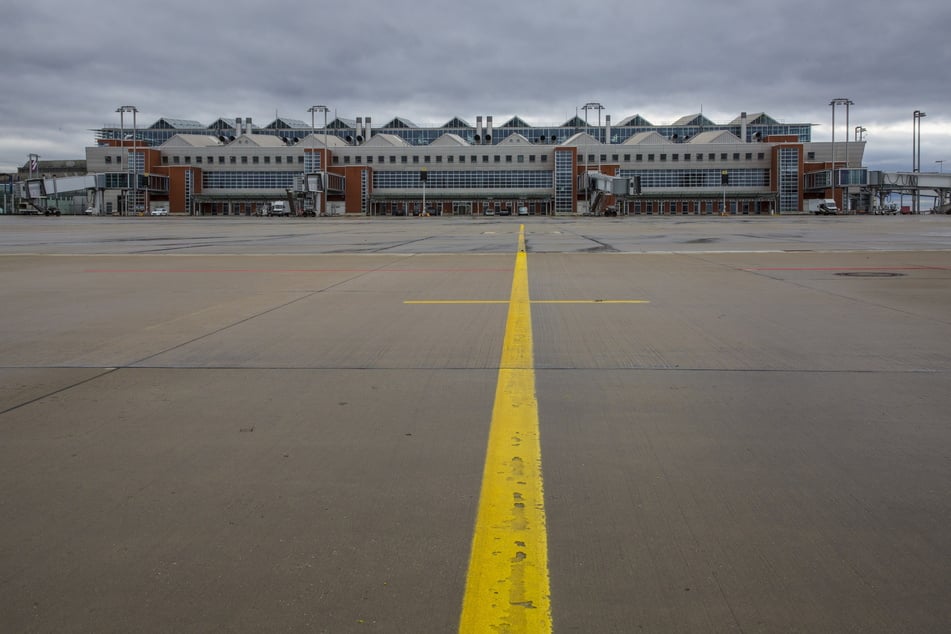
(248, 180)
(234, 160)
(472, 158)
(464, 180)
(425, 136)
(673, 179)
(699, 157)
(389, 180)
(438, 159)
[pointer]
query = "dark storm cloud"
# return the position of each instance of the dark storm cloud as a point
(68, 68)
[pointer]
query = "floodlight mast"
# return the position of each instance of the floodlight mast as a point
(323, 168)
(122, 110)
(840, 101)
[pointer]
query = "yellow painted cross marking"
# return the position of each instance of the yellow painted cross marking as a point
(507, 587)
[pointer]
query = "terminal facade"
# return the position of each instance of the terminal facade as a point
(750, 165)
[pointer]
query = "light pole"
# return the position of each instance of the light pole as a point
(860, 133)
(840, 101)
(917, 116)
(130, 167)
(593, 105)
(940, 163)
(313, 110)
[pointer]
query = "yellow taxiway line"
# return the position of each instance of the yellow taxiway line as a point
(507, 586)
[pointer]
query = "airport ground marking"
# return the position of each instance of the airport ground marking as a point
(534, 301)
(507, 584)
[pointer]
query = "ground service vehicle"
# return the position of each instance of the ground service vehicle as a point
(822, 206)
(279, 208)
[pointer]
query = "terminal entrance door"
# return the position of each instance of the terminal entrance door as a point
(462, 209)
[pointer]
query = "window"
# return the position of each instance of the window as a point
(211, 160)
(392, 159)
(711, 156)
(604, 158)
(638, 157)
(531, 158)
(614, 157)
(277, 159)
(736, 156)
(290, 160)
(175, 160)
(760, 156)
(450, 159)
(404, 159)
(811, 156)
(369, 160)
(627, 158)
(723, 156)
(164, 159)
(520, 158)
(300, 159)
(426, 159)
(439, 158)
(357, 159)
(415, 159)
(508, 158)
(674, 157)
(650, 157)
(686, 157)
(255, 159)
(232, 159)
(346, 160)
(198, 160)
(188, 160)
(244, 160)
(267, 160)
(749, 156)
(699, 156)
(497, 159)
(544, 158)
(221, 160)
(472, 159)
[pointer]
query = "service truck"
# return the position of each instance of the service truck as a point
(279, 208)
(822, 206)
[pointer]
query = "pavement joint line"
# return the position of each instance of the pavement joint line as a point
(507, 583)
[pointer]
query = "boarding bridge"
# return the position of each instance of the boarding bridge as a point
(598, 186)
(918, 184)
(35, 193)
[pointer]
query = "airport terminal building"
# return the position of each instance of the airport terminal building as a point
(750, 165)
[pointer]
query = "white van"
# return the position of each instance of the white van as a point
(279, 208)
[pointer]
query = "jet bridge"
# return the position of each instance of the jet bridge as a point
(918, 184)
(598, 186)
(36, 193)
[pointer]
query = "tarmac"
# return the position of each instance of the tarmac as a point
(263, 424)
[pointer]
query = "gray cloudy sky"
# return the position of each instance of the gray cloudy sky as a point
(67, 65)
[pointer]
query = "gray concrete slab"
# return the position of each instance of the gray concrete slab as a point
(227, 424)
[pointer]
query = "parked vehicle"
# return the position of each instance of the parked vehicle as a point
(279, 208)
(159, 211)
(822, 206)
